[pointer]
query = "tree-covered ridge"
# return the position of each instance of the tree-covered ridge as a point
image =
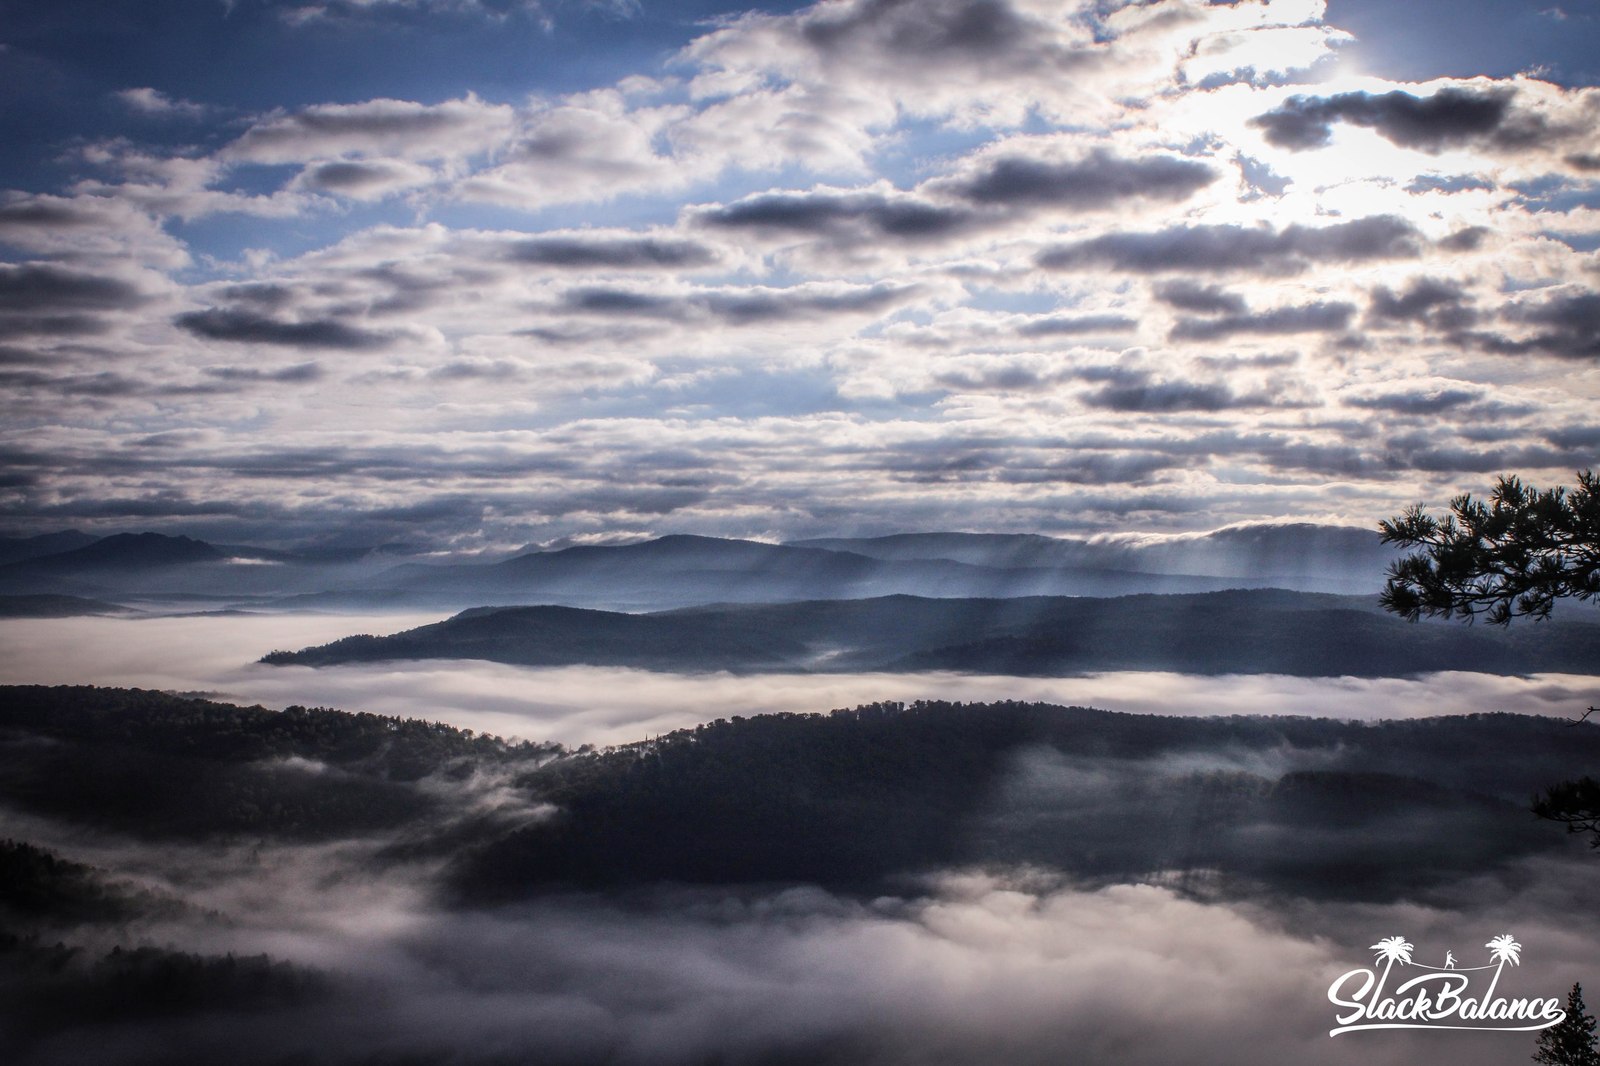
(383, 746)
(38, 886)
(49, 989)
(856, 799)
(154, 764)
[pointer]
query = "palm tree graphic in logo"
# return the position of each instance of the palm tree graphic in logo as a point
(1502, 949)
(1390, 949)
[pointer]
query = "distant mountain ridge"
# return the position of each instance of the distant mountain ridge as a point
(1241, 631)
(682, 570)
(1261, 550)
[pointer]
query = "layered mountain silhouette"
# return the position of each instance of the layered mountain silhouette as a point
(1238, 631)
(682, 570)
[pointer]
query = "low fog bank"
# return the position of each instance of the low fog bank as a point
(1014, 967)
(603, 705)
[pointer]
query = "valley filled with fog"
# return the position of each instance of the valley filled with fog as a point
(217, 656)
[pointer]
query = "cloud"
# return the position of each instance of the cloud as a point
(1449, 117)
(1097, 180)
(1166, 397)
(385, 128)
(1418, 402)
(1320, 317)
(1566, 326)
(1075, 325)
(35, 286)
(367, 180)
(744, 306)
(995, 189)
(1204, 299)
(1225, 248)
(299, 373)
(1441, 304)
(87, 228)
(154, 102)
(248, 327)
(584, 148)
(593, 251)
(860, 216)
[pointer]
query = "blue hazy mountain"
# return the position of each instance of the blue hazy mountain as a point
(683, 570)
(48, 606)
(16, 549)
(677, 571)
(1291, 555)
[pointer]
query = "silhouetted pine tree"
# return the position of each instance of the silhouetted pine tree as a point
(1571, 1043)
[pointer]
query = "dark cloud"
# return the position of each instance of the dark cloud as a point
(1575, 437)
(482, 370)
(1136, 391)
(1320, 317)
(248, 327)
(1012, 182)
(1433, 123)
(860, 214)
(741, 306)
(73, 325)
(1075, 325)
(1202, 299)
(22, 212)
(1099, 179)
(624, 253)
(262, 294)
(978, 28)
(1469, 239)
(297, 374)
(14, 356)
(605, 301)
(1417, 401)
(1420, 299)
(353, 178)
(1219, 249)
(1567, 327)
(769, 305)
(39, 286)
(1571, 325)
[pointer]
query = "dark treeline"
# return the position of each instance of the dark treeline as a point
(38, 886)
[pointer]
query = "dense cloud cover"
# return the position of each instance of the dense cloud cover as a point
(847, 268)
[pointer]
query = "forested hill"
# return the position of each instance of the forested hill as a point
(1237, 631)
(857, 799)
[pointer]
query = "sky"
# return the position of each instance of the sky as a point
(467, 275)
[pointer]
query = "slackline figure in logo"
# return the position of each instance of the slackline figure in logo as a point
(1449, 960)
